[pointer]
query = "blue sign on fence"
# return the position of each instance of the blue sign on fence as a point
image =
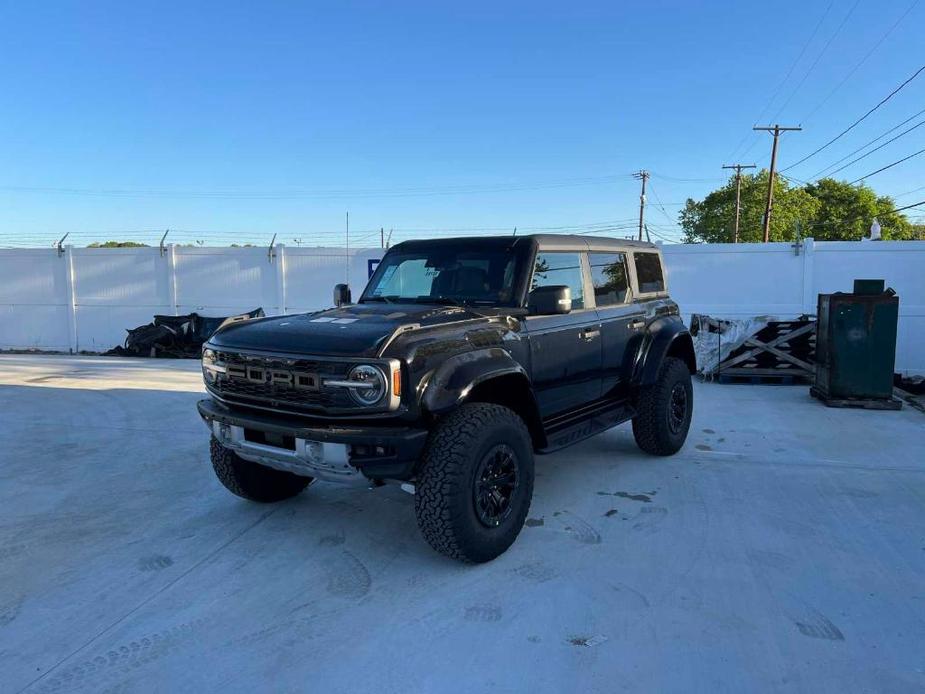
(371, 266)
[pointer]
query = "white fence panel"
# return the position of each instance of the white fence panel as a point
(223, 281)
(311, 274)
(33, 300)
(84, 299)
(735, 280)
(117, 289)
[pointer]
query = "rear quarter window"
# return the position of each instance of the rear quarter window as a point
(649, 272)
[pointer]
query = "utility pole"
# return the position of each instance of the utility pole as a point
(381, 237)
(738, 168)
(776, 130)
(642, 175)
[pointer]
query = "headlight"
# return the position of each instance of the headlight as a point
(367, 384)
(210, 366)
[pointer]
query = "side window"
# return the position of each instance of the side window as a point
(608, 274)
(560, 268)
(649, 272)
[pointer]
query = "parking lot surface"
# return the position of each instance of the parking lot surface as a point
(782, 549)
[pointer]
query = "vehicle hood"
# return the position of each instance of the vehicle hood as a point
(357, 330)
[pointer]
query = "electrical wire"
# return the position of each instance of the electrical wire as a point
(863, 156)
(858, 121)
(796, 62)
(867, 144)
(888, 166)
(818, 58)
(687, 180)
(909, 192)
(659, 204)
(863, 60)
(320, 194)
(780, 85)
(909, 207)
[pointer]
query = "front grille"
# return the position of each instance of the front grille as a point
(281, 382)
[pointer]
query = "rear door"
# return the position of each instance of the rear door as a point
(622, 320)
(565, 350)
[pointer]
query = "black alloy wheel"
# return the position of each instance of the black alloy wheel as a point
(677, 408)
(496, 482)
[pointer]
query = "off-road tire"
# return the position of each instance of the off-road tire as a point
(652, 426)
(444, 494)
(252, 481)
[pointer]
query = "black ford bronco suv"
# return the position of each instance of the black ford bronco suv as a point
(461, 359)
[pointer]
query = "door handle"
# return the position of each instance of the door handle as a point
(636, 324)
(590, 334)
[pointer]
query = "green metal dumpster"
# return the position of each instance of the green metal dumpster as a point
(856, 347)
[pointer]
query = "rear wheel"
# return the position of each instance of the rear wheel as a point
(664, 410)
(476, 483)
(253, 481)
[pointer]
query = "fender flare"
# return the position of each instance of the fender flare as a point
(454, 379)
(664, 335)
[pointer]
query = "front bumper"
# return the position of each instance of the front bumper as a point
(342, 453)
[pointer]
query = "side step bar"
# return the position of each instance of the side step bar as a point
(565, 429)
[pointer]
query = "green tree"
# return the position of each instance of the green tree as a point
(118, 244)
(712, 220)
(827, 209)
(846, 212)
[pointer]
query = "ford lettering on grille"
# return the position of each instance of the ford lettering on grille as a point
(300, 380)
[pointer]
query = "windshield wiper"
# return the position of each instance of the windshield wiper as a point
(386, 299)
(448, 301)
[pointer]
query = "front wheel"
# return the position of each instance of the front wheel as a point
(476, 483)
(252, 481)
(664, 410)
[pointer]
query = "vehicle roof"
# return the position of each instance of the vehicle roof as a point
(560, 242)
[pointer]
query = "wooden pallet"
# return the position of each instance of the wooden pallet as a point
(777, 377)
(891, 403)
(782, 353)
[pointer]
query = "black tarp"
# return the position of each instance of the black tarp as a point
(174, 336)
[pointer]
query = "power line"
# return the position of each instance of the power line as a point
(685, 180)
(795, 63)
(320, 194)
(660, 206)
(852, 126)
(780, 86)
(888, 166)
(863, 156)
(867, 144)
(863, 60)
(909, 192)
(818, 58)
(908, 207)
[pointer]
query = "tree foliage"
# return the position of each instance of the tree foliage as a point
(826, 210)
(117, 244)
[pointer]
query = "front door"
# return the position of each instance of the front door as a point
(565, 350)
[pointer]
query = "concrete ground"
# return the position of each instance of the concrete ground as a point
(782, 549)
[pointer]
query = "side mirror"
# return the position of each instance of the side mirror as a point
(341, 294)
(551, 300)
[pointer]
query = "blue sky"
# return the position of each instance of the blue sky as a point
(234, 121)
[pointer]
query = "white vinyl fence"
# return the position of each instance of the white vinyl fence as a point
(84, 299)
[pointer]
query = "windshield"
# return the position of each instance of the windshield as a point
(445, 275)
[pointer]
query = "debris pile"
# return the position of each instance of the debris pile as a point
(175, 336)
